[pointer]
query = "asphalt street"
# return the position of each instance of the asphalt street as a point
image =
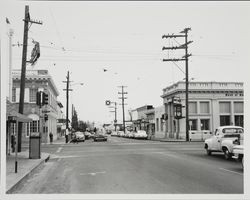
(129, 166)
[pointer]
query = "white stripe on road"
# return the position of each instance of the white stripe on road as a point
(231, 171)
(59, 149)
(92, 173)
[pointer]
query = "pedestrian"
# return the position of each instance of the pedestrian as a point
(51, 137)
(13, 142)
(66, 135)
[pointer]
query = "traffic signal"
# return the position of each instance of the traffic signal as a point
(178, 111)
(46, 117)
(38, 98)
(45, 98)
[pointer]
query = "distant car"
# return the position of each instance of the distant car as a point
(120, 134)
(100, 137)
(114, 133)
(131, 135)
(141, 134)
(87, 135)
(79, 136)
(224, 139)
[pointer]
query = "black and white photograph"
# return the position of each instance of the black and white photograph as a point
(124, 99)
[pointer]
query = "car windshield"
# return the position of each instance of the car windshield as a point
(232, 130)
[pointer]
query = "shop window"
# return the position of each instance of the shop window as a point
(193, 124)
(34, 126)
(224, 107)
(239, 120)
(204, 107)
(238, 107)
(192, 106)
(205, 124)
(224, 120)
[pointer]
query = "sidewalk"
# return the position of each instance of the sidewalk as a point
(25, 167)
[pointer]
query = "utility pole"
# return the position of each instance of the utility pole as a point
(184, 58)
(67, 99)
(10, 63)
(122, 98)
(27, 20)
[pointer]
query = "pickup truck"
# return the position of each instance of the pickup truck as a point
(238, 153)
(224, 139)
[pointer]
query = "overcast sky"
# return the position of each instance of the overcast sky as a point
(126, 39)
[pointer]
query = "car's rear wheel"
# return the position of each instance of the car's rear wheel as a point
(227, 154)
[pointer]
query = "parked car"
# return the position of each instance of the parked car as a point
(141, 134)
(238, 153)
(100, 137)
(87, 135)
(120, 134)
(223, 140)
(79, 136)
(131, 135)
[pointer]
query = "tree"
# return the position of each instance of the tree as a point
(75, 120)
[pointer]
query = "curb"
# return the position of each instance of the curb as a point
(26, 176)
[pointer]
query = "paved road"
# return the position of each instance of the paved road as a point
(127, 166)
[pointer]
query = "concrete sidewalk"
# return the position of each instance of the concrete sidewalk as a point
(25, 167)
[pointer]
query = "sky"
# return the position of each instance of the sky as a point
(126, 39)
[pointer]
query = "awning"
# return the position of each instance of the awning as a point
(17, 116)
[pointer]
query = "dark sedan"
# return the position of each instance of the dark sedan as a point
(99, 137)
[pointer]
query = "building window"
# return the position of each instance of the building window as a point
(157, 124)
(224, 120)
(192, 107)
(204, 107)
(205, 124)
(193, 124)
(34, 126)
(225, 107)
(14, 95)
(238, 107)
(239, 120)
(33, 94)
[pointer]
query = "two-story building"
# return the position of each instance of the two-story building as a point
(37, 80)
(211, 104)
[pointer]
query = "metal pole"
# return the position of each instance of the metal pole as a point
(187, 112)
(10, 64)
(17, 122)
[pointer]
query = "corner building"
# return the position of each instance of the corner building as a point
(211, 104)
(36, 80)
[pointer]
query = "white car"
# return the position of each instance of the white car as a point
(224, 139)
(141, 134)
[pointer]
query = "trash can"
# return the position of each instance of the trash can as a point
(35, 147)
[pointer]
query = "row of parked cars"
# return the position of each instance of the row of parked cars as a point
(229, 140)
(79, 136)
(140, 134)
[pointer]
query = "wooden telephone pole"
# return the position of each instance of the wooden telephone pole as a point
(122, 98)
(27, 21)
(184, 58)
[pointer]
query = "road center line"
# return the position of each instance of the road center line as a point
(59, 149)
(92, 173)
(231, 171)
